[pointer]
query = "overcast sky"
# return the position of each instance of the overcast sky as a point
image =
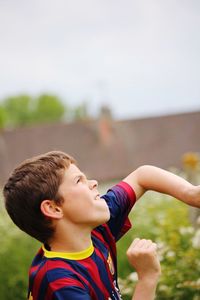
(142, 57)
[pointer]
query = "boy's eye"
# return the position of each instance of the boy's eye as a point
(80, 179)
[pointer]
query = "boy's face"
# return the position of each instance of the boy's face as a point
(82, 204)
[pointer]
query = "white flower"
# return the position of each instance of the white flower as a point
(196, 240)
(163, 288)
(170, 253)
(133, 277)
(198, 220)
(186, 230)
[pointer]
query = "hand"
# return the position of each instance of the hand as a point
(142, 255)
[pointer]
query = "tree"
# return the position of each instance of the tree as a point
(17, 110)
(23, 110)
(48, 108)
(2, 117)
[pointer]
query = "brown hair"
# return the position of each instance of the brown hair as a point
(33, 181)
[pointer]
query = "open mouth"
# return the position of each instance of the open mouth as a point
(97, 197)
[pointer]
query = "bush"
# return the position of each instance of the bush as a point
(165, 221)
(16, 252)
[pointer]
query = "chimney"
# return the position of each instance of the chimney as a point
(105, 126)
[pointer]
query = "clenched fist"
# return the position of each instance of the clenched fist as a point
(142, 255)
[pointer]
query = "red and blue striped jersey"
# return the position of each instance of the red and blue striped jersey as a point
(92, 273)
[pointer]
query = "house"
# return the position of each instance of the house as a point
(106, 149)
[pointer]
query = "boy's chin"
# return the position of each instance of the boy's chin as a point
(104, 219)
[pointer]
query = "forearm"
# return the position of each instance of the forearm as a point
(145, 290)
(156, 179)
(152, 178)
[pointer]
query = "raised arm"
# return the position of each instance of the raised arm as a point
(152, 178)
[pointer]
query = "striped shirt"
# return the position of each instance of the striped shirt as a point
(92, 273)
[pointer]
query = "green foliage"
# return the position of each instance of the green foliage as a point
(23, 110)
(2, 117)
(48, 109)
(165, 221)
(16, 252)
(17, 110)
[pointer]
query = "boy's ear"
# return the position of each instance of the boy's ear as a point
(50, 209)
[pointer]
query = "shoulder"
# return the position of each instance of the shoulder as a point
(120, 191)
(120, 198)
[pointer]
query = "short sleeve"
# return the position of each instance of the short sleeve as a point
(120, 200)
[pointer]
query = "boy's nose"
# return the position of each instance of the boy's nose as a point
(93, 184)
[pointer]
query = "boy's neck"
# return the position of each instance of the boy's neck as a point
(74, 240)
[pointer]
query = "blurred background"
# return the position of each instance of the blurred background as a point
(117, 85)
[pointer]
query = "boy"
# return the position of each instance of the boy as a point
(49, 198)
